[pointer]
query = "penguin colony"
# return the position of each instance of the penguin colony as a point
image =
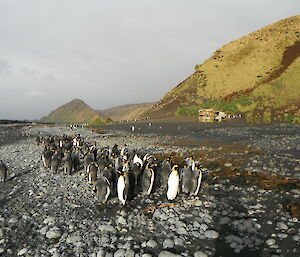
(114, 171)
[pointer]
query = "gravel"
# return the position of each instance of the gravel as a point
(46, 214)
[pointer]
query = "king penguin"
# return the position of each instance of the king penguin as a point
(123, 187)
(186, 178)
(147, 179)
(68, 164)
(102, 187)
(196, 181)
(55, 162)
(3, 171)
(166, 168)
(92, 172)
(173, 183)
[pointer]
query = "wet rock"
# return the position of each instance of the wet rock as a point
(1, 233)
(74, 239)
(167, 254)
(203, 227)
(1, 250)
(211, 234)
(296, 238)
(49, 220)
(22, 252)
(225, 220)
(282, 226)
(54, 233)
(168, 243)
(270, 242)
(151, 243)
(101, 253)
(13, 220)
(120, 253)
(228, 164)
(129, 253)
(200, 254)
(146, 255)
(44, 230)
(121, 220)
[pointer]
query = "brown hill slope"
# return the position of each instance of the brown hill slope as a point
(125, 112)
(75, 111)
(257, 74)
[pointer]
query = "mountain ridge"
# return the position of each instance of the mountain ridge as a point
(75, 111)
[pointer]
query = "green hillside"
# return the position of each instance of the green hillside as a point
(258, 75)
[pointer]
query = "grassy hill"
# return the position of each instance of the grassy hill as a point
(258, 75)
(75, 111)
(125, 112)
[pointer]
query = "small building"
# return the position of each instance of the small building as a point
(209, 115)
(206, 115)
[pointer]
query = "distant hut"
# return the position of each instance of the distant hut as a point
(206, 115)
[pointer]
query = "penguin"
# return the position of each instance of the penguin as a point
(88, 159)
(186, 177)
(68, 164)
(3, 171)
(136, 170)
(137, 159)
(76, 159)
(173, 183)
(148, 179)
(123, 187)
(55, 162)
(102, 187)
(92, 172)
(196, 181)
(166, 168)
(46, 157)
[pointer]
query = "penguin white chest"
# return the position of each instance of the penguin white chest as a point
(121, 188)
(173, 185)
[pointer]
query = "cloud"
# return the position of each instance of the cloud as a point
(114, 52)
(35, 93)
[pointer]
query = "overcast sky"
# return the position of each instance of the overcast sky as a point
(111, 53)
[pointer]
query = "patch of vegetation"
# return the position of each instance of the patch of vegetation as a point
(292, 119)
(231, 107)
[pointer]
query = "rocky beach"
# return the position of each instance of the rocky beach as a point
(248, 204)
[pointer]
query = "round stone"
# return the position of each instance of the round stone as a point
(168, 243)
(167, 254)
(270, 241)
(282, 226)
(119, 253)
(200, 254)
(22, 252)
(53, 233)
(211, 234)
(151, 243)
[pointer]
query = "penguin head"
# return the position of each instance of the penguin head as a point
(175, 167)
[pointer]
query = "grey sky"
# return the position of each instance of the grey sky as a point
(110, 53)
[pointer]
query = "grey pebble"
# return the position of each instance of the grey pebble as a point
(101, 253)
(167, 254)
(119, 253)
(211, 234)
(282, 226)
(168, 243)
(74, 239)
(22, 251)
(200, 254)
(270, 241)
(151, 243)
(53, 233)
